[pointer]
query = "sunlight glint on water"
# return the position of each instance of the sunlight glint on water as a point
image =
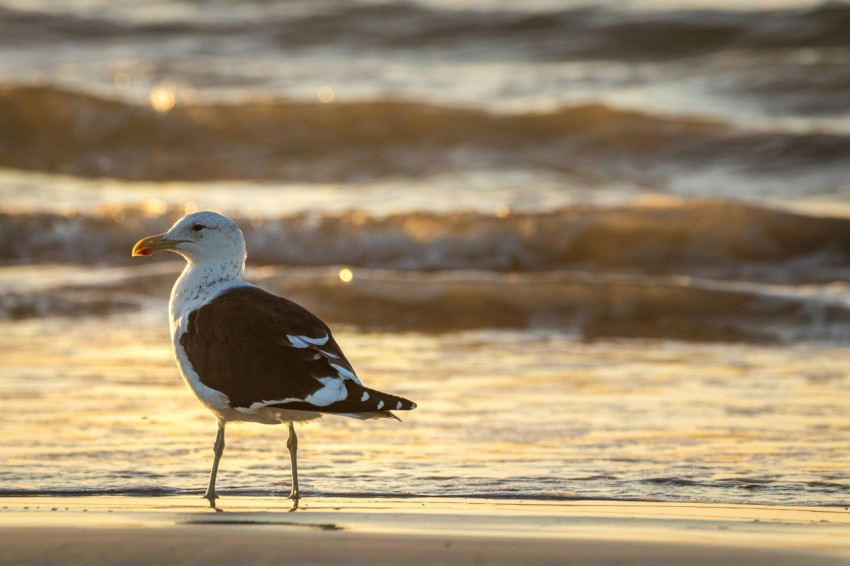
(501, 414)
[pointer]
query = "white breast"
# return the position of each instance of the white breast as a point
(191, 291)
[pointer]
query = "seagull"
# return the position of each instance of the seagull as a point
(249, 355)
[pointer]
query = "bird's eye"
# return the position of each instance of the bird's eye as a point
(198, 227)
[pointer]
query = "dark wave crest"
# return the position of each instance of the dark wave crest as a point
(51, 130)
(576, 33)
(46, 129)
(592, 306)
(553, 35)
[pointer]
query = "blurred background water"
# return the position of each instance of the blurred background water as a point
(604, 246)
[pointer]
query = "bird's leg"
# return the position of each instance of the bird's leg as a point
(292, 444)
(218, 450)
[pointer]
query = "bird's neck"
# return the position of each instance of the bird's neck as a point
(199, 282)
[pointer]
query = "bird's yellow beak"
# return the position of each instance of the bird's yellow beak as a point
(152, 244)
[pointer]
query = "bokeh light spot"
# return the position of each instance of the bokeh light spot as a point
(326, 95)
(163, 98)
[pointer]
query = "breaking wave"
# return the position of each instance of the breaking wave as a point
(715, 238)
(691, 270)
(52, 130)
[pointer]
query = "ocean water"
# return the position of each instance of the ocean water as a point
(605, 247)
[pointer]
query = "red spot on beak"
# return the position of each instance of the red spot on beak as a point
(151, 245)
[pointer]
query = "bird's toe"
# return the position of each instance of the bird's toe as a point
(211, 497)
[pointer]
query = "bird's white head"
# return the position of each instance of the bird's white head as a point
(200, 237)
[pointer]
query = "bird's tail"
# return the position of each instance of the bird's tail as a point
(373, 400)
(360, 403)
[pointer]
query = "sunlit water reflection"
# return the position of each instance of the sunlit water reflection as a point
(94, 404)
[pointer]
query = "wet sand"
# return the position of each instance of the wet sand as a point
(179, 530)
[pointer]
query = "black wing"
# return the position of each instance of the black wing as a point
(241, 343)
(256, 347)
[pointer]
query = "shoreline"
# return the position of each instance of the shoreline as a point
(180, 530)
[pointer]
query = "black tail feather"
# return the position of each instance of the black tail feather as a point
(359, 400)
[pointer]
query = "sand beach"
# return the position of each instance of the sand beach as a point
(179, 530)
